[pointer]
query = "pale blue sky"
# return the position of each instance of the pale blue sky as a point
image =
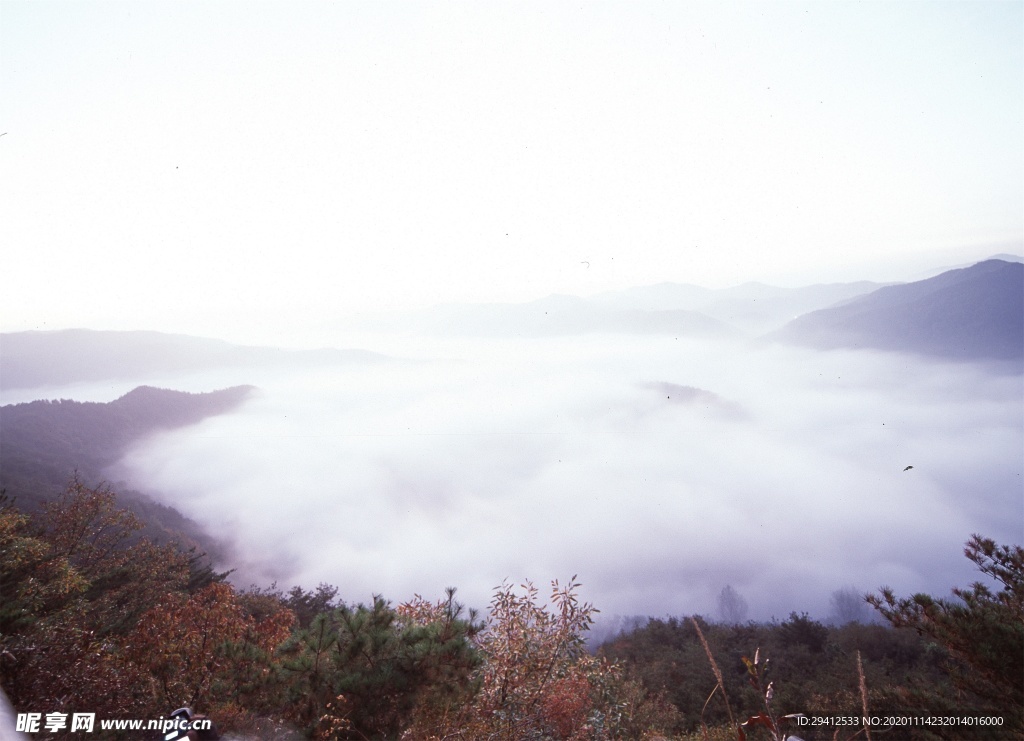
(211, 167)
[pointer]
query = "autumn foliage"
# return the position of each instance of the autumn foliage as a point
(98, 620)
(95, 619)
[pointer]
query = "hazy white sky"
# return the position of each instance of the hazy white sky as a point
(204, 167)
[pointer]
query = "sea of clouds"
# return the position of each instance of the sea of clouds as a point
(658, 469)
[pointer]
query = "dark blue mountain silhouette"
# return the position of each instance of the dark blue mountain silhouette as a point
(973, 313)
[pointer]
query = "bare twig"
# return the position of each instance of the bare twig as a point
(863, 696)
(714, 668)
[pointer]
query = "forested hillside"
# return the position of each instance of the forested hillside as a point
(96, 621)
(44, 443)
(89, 436)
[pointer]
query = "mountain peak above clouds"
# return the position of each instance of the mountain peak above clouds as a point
(972, 313)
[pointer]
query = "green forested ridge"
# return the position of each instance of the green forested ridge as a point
(45, 437)
(44, 443)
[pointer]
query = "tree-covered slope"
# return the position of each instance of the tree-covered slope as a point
(44, 443)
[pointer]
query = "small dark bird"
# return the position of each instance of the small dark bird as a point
(908, 468)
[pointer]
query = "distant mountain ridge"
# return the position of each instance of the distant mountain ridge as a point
(750, 307)
(955, 314)
(55, 358)
(968, 313)
(676, 309)
(553, 316)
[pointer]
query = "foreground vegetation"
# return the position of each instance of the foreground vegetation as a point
(97, 620)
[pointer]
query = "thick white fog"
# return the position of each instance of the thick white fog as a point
(658, 470)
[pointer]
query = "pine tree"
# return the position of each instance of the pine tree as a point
(983, 630)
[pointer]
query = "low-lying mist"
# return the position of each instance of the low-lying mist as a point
(658, 470)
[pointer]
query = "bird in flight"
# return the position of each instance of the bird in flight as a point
(908, 468)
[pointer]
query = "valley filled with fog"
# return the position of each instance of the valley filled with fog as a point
(658, 469)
